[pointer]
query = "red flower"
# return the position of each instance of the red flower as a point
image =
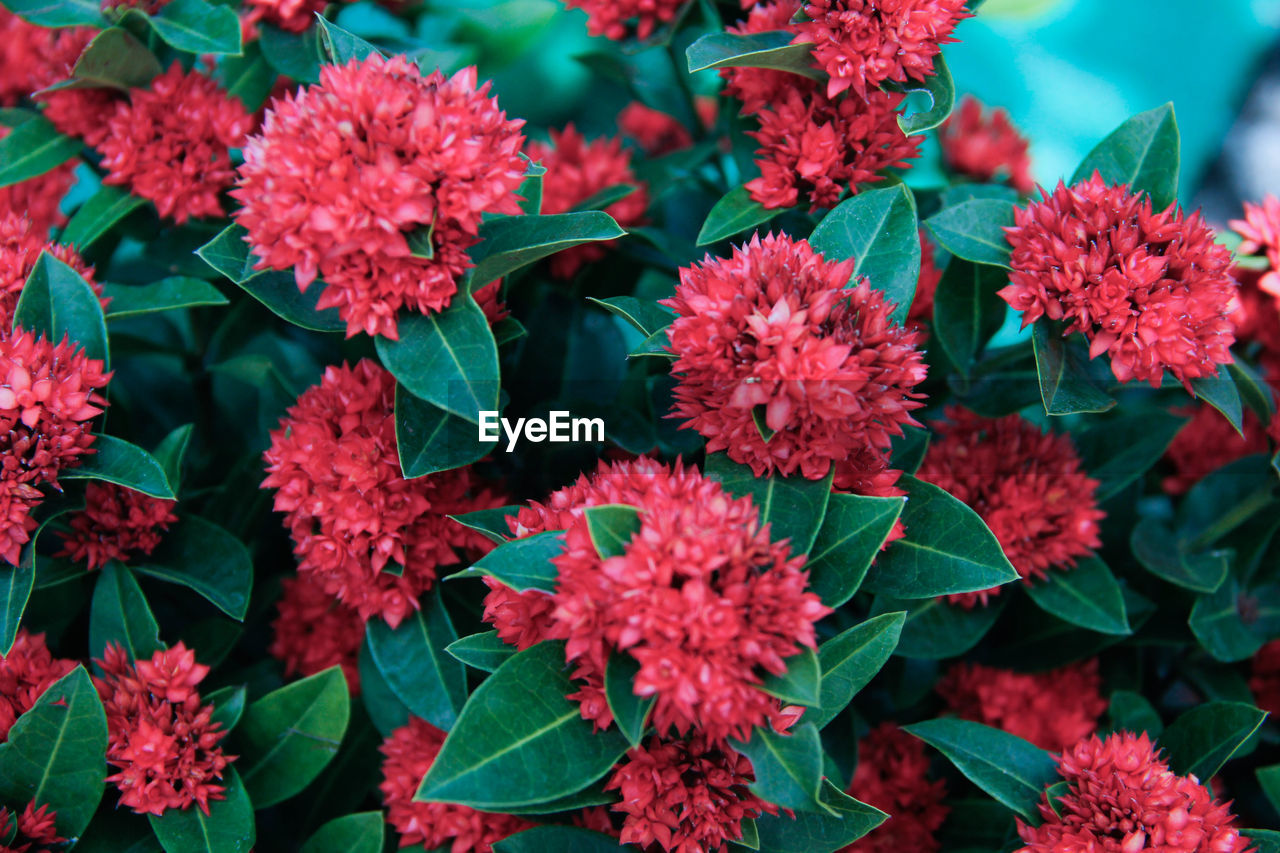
(577, 170)
(33, 831)
(25, 673)
(1051, 709)
(812, 148)
(985, 147)
(335, 467)
(32, 57)
(292, 16)
(21, 243)
(37, 198)
(702, 599)
(344, 170)
(160, 738)
(619, 19)
(83, 113)
(865, 43)
(1122, 798)
(893, 776)
(170, 143)
(115, 524)
(1256, 316)
(410, 751)
(1260, 230)
(1151, 289)
(1208, 442)
(685, 796)
(315, 631)
(757, 88)
(774, 334)
(921, 314)
(658, 133)
(1028, 486)
(1264, 679)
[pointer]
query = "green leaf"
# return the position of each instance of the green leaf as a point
(120, 614)
(935, 629)
(772, 50)
(606, 197)
(1142, 153)
(228, 705)
(611, 527)
(95, 217)
(647, 316)
(947, 549)
(1008, 768)
(852, 532)
(167, 294)
(288, 736)
(850, 660)
(788, 768)
(844, 821)
(511, 242)
(412, 660)
(800, 684)
(33, 148)
(658, 344)
(199, 27)
(733, 214)
(561, 839)
(878, 229)
(362, 832)
(295, 55)
(115, 59)
(386, 711)
(228, 253)
(1219, 626)
(228, 828)
(1266, 840)
(1116, 451)
(941, 90)
(340, 46)
(1087, 596)
(1130, 711)
(522, 564)
(531, 189)
(974, 230)
(431, 439)
(1223, 501)
(1220, 392)
(1269, 780)
(630, 712)
(1253, 389)
(491, 523)
(55, 754)
(205, 558)
(59, 13)
(494, 759)
(449, 359)
(1203, 739)
(1066, 386)
(484, 652)
(16, 583)
(115, 460)
(56, 301)
(793, 507)
(248, 77)
(1156, 549)
(967, 310)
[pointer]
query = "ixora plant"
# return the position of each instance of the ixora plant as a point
(912, 511)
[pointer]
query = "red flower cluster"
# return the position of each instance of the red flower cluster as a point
(701, 599)
(335, 467)
(921, 314)
(314, 631)
(1264, 679)
(21, 243)
(1260, 230)
(686, 796)
(985, 147)
(25, 673)
(410, 751)
(344, 171)
(33, 831)
(1208, 442)
(160, 737)
(1028, 486)
(170, 143)
(893, 776)
(39, 198)
(292, 16)
(32, 57)
(577, 170)
(1151, 289)
(658, 133)
(619, 19)
(772, 336)
(48, 395)
(1257, 322)
(115, 523)
(757, 88)
(1122, 798)
(1051, 709)
(863, 44)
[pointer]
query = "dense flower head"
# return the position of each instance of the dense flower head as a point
(921, 313)
(344, 170)
(1260, 234)
(985, 146)
(1264, 678)
(292, 16)
(1053, 709)
(773, 333)
(170, 143)
(313, 631)
(701, 598)
(25, 673)
(757, 88)
(620, 19)
(658, 133)
(1151, 289)
(83, 113)
(865, 43)
(1256, 317)
(1028, 486)
(38, 198)
(21, 242)
(893, 775)
(685, 795)
(33, 830)
(1206, 443)
(410, 751)
(352, 515)
(577, 170)
(161, 738)
(115, 524)
(1122, 798)
(32, 57)
(812, 148)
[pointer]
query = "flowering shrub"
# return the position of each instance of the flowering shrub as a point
(906, 504)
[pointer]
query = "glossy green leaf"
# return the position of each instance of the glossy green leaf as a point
(511, 242)
(431, 439)
(531, 188)
(228, 828)
(1066, 386)
(940, 89)
(1219, 625)
(205, 558)
(385, 710)
(494, 759)
(522, 564)
(228, 253)
(788, 767)
(630, 712)
(288, 736)
(852, 533)
(362, 832)
(967, 310)
(658, 344)
(1204, 738)
(974, 230)
(1142, 153)
(1131, 712)
(248, 77)
(1264, 840)
(850, 660)
(484, 652)
(800, 684)
(1254, 391)
(1223, 501)
(935, 629)
(95, 217)
(1088, 596)
(57, 302)
(647, 316)
(1118, 450)
(295, 55)
(1156, 549)
(115, 59)
(772, 50)
(561, 839)
(167, 294)
(843, 821)
(59, 13)
(606, 197)
(1220, 392)
(117, 461)
(412, 660)
(340, 46)
(228, 705)
(611, 527)
(16, 583)
(1269, 780)
(491, 523)
(878, 229)
(793, 507)
(199, 27)
(33, 148)
(120, 614)
(171, 453)
(733, 214)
